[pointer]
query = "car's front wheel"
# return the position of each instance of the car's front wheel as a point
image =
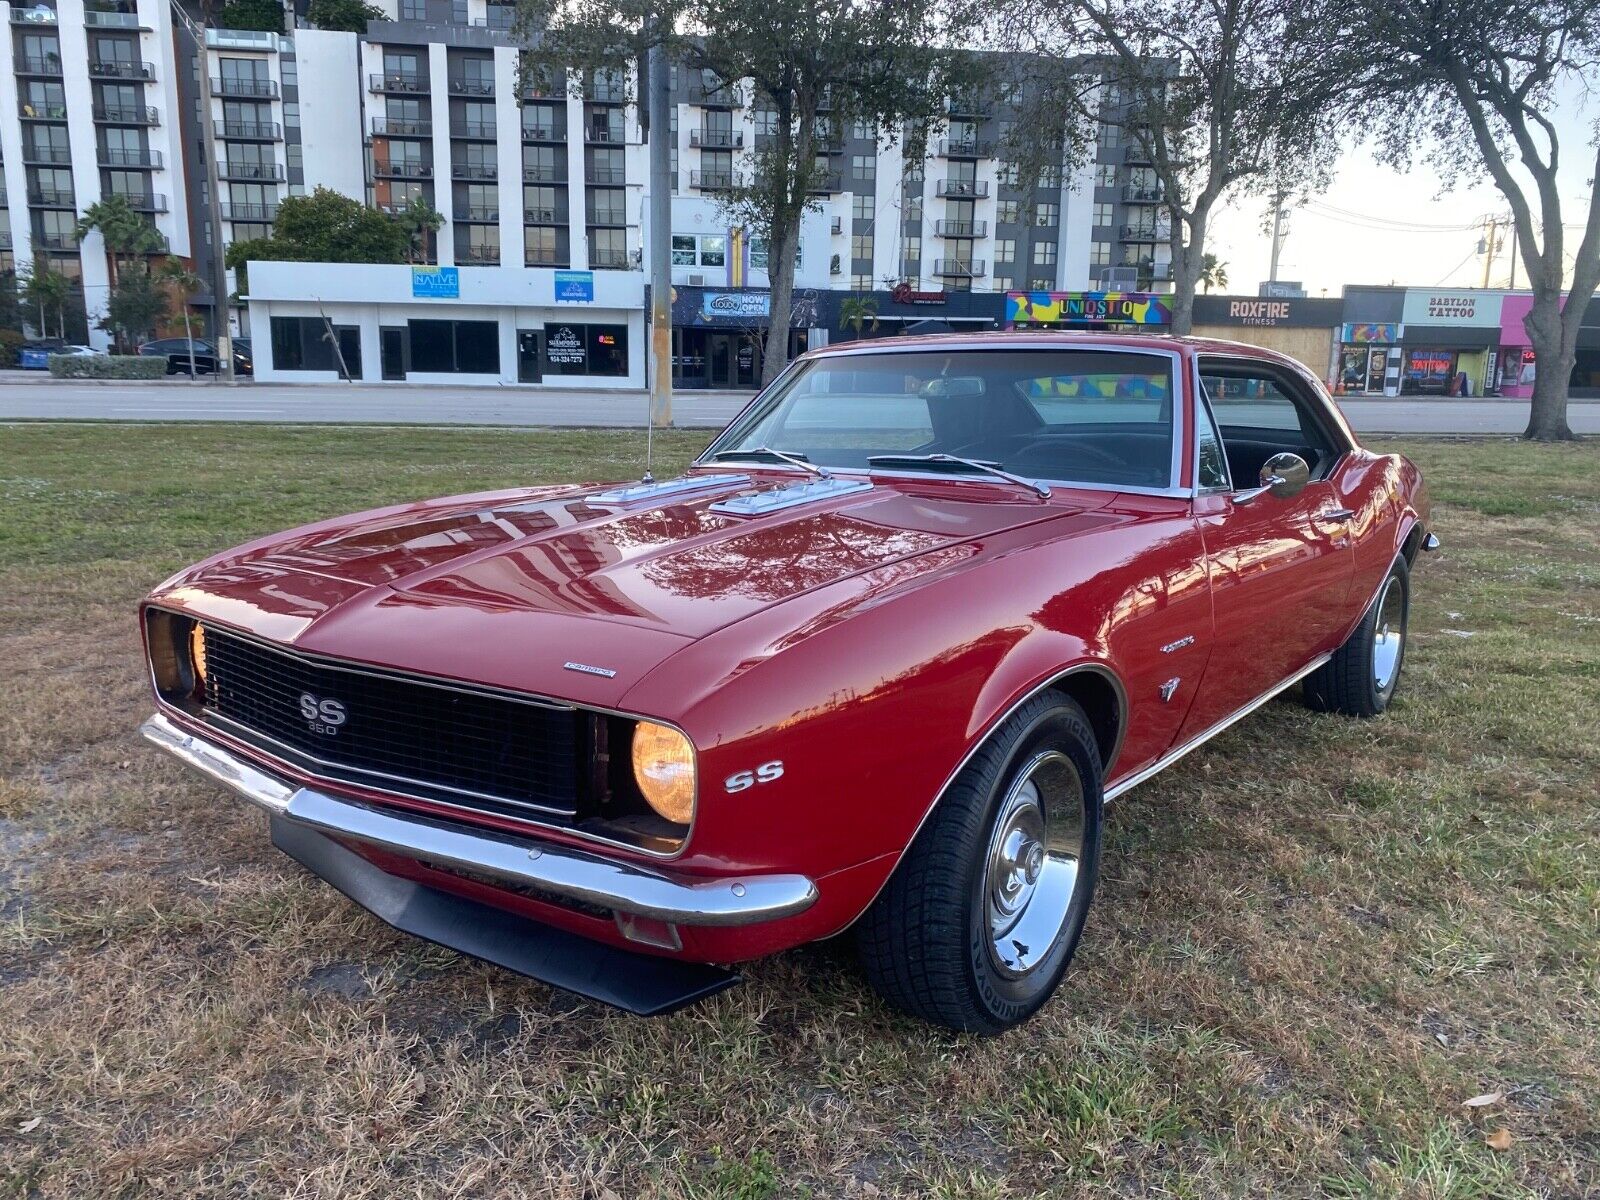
(1361, 677)
(978, 923)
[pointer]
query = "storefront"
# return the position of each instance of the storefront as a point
(1128, 311)
(1450, 343)
(1517, 367)
(1369, 342)
(720, 334)
(472, 326)
(1303, 328)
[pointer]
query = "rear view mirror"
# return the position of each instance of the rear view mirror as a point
(960, 386)
(1285, 475)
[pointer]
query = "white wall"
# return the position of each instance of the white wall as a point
(328, 68)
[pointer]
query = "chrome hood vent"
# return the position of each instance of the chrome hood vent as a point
(757, 504)
(640, 492)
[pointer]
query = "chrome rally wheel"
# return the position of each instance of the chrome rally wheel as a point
(1389, 634)
(1031, 871)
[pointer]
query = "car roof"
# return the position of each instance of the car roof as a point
(1039, 339)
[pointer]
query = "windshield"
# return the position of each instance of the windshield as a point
(1085, 416)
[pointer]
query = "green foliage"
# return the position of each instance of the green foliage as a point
(10, 343)
(264, 15)
(46, 295)
(137, 304)
(325, 226)
(421, 221)
(351, 16)
(1213, 272)
(127, 232)
(858, 313)
(108, 366)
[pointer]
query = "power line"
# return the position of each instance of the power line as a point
(1471, 254)
(1366, 221)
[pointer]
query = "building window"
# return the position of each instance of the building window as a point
(1004, 283)
(861, 246)
(863, 130)
(301, 344)
(1109, 137)
(1099, 254)
(455, 347)
(1044, 254)
(1046, 216)
(1006, 174)
(863, 167)
(1105, 175)
(1041, 283)
(766, 120)
(572, 349)
(699, 250)
(759, 257)
(413, 10)
(608, 248)
(1102, 215)
(911, 251)
(915, 172)
(913, 210)
(1008, 212)
(861, 283)
(861, 206)
(1005, 250)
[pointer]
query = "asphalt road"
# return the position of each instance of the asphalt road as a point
(25, 396)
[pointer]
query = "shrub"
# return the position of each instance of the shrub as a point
(108, 366)
(10, 342)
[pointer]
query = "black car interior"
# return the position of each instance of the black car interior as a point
(1260, 413)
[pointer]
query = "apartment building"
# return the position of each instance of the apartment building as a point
(541, 184)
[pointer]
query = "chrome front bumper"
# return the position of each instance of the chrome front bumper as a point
(625, 889)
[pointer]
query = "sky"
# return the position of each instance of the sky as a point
(1375, 224)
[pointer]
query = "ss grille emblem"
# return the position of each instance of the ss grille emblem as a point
(322, 715)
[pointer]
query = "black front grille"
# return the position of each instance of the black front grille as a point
(397, 732)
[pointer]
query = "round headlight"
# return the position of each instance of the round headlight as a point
(197, 653)
(663, 767)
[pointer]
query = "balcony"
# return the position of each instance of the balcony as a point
(715, 181)
(402, 168)
(962, 268)
(478, 131)
(544, 172)
(605, 176)
(605, 91)
(466, 170)
(266, 171)
(713, 95)
(51, 197)
(127, 114)
(605, 135)
(121, 68)
(259, 40)
(113, 20)
(39, 15)
(247, 89)
(42, 112)
(149, 202)
(544, 133)
(963, 189)
(46, 156)
(538, 256)
(478, 215)
(1141, 193)
(966, 108)
(1141, 232)
(149, 160)
(716, 139)
(407, 83)
(610, 260)
(610, 217)
(402, 127)
(56, 241)
(965, 148)
(462, 86)
(261, 214)
(478, 256)
(38, 64)
(1133, 152)
(827, 184)
(249, 131)
(961, 229)
(542, 216)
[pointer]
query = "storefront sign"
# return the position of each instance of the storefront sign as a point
(565, 347)
(1275, 313)
(574, 287)
(1430, 372)
(1382, 333)
(902, 293)
(435, 283)
(1451, 308)
(736, 304)
(1086, 308)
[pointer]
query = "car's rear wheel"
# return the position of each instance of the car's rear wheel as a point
(1361, 677)
(981, 917)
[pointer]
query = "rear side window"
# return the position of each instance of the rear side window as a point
(1256, 402)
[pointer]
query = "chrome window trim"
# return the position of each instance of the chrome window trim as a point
(1202, 398)
(1180, 419)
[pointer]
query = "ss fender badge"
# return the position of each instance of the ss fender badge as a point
(765, 773)
(1178, 645)
(586, 669)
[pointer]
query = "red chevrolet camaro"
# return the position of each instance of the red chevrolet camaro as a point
(874, 664)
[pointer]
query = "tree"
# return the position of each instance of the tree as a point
(858, 313)
(180, 281)
(815, 64)
(128, 233)
(1207, 96)
(350, 16)
(325, 226)
(266, 15)
(421, 221)
(136, 305)
(47, 292)
(1213, 272)
(1477, 80)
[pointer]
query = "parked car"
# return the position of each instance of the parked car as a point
(875, 664)
(35, 355)
(176, 352)
(78, 350)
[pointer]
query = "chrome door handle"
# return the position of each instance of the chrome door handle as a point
(1336, 514)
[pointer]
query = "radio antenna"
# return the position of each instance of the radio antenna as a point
(649, 441)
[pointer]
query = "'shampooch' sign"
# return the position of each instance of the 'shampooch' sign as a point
(564, 346)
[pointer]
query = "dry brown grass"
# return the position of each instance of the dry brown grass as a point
(1314, 939)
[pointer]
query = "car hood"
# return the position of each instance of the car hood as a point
(498, 587)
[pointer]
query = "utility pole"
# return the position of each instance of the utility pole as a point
(660, 104)
(1491, 235)
(219, 270)
(1277, 235)
(1512, 281)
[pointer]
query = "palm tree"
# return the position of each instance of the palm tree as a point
(421, 221)
(184, 283)
(128, 233)
(1212, 273)
(48, 290)
(859, 313)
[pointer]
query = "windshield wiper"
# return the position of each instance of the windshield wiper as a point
(795, 460)
(972, 464)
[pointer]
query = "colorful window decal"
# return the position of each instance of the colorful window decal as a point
(1029, 309)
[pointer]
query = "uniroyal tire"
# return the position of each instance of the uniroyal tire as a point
(1361, 678)
(974, 930)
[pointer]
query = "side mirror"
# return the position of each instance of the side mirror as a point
(1285, 475)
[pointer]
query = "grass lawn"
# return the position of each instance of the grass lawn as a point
(1314, 938)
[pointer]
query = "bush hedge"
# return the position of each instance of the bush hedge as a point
(108, 366)
(10, 342)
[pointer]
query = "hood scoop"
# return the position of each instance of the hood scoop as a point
(641, 492)
(757, 504)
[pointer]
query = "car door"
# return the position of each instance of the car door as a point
(1280, 567)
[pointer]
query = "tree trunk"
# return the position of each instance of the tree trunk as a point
(1186, 265)
(1553, 356)
(780, 270)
